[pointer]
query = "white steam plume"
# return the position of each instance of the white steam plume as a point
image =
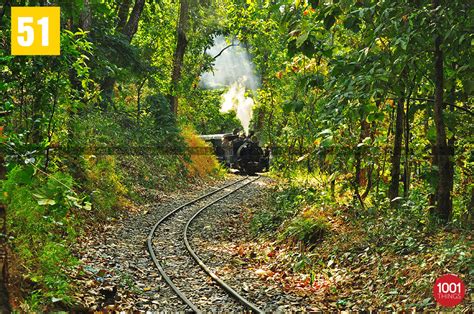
(233, 68)
(232, 64)
(235, 99)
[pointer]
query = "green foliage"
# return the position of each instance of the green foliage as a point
(286, 203)
(42, 219)
(308, 230)
(104, 183)
(120, 157)
(342, 66)
(378, 256)
(202, 111)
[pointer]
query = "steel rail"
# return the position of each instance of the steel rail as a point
(152, 252)
(219, 281)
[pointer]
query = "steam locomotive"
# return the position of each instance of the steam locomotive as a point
(239, 152)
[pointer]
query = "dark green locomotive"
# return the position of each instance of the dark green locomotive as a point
(239, 152)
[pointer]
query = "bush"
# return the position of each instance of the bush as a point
(41, 219)
(122, 157)
(200, 163)
(104, 182)
(308, 230)
(286, 203)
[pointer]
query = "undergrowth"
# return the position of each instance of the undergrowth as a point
(201, 162)
(352, 258)
(109, 168)
(42, 220)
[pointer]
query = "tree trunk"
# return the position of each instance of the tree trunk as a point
(128, 29)
(86, 16)
(384, 158)
(361, 173)
(370, 168)
(406, 169)
(107, 87)
(452, 140)
(445, 177)
(396, 154)
(4, 298)
(132, 25)
(179, 54)
(123, 14)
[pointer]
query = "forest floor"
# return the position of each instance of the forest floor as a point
(385, 260)
(116, 272)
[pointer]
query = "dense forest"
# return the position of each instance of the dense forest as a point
(365, 105)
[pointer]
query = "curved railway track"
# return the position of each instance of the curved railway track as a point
(178, 237)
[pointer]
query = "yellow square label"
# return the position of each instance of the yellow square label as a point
(35, 31)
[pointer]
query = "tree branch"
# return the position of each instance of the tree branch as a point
(225, 48)
(448, 104)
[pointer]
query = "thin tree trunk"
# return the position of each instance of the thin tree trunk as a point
(384, 160)
(371, 167)
(445, 177)
(139, 94)
(452, 140)
(178, 57)
(396, 154)
(4, 296)
(107, 87)
(50, 125)
(406, 170)
(361, 173)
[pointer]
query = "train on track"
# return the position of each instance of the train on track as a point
(237, 151)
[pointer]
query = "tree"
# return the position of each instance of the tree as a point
(127, 26)
(442, 154)
(178, 57)
(397, 152)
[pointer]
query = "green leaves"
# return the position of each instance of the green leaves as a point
(352, 23)
(326, 138)
(329, 21)
(468, 86)
(315, 80)
(293, 105)
(300, 40)
(304, 43)
(44, 201)
(375, 116)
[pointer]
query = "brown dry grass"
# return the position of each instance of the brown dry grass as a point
(201, 165)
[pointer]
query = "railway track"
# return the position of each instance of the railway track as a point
(174, 257)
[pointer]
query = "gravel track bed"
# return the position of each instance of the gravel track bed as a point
(117, 272)
(220, 228)
(181, 267)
